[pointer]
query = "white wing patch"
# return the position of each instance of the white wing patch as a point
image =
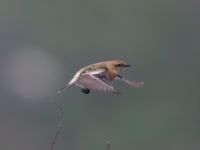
(76, 76)
(93, 72)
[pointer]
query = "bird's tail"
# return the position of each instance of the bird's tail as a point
(63, 88)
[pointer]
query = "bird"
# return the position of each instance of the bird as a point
(99, 77)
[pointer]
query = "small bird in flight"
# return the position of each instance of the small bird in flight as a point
(98, 77)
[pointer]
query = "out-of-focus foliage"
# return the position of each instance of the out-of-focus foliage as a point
(43, 43)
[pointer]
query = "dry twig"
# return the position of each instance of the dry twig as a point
(60, 126)
(108, 145)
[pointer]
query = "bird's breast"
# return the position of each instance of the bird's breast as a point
(111, 75)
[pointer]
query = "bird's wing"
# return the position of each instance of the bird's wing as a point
(134, 84)
(96, 81)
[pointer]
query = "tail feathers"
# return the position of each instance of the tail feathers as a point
(63, 88)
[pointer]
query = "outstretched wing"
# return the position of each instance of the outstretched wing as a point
(134, 84)
(95, 81)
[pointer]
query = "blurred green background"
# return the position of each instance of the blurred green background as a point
(43, 43)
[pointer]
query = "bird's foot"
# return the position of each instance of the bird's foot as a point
(86, 91)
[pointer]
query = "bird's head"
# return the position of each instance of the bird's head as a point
(118, 65)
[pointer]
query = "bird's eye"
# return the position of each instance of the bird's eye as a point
(118, 65)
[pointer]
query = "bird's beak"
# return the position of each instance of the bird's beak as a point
(127, 65)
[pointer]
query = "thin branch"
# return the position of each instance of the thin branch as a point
(60, 126)
(108, 145)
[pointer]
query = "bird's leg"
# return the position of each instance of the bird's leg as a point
(85, 90)
(134, 84)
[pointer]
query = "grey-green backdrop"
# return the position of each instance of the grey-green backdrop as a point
(43, 43)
